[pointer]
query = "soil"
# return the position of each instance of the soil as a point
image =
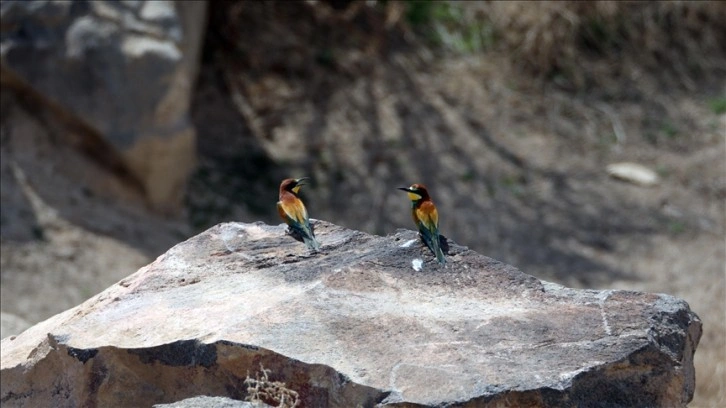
(515, 164)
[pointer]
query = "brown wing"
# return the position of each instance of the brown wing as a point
(428, 215)
(281, 211)
(290, 207)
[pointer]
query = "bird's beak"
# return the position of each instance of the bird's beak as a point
(406, 189)
(301, 181)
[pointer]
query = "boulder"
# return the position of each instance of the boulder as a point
(367, 321)
(124, 69)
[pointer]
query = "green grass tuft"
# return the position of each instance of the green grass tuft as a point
(718, 105)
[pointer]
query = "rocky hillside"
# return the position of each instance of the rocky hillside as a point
(128, 127)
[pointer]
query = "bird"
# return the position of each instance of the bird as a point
(426, 218)
(293, 212)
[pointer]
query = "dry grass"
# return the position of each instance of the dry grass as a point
(560, 36)
(274, 393)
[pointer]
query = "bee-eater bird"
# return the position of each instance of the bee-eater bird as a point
(293, 212)
(426, 218)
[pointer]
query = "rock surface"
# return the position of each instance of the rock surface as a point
(124, 69)
(211, 402)
(353, 325)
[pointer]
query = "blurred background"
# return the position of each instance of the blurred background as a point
(129, 126)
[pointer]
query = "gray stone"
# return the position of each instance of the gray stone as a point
(367, 321)
(158, 11)
(125, 69)
(211, 402)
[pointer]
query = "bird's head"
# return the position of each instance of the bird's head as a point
(416, 192)
(293, 185)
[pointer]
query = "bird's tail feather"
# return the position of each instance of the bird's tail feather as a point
(304, 232)
(437, 249)
(312, 243)
(433, 242)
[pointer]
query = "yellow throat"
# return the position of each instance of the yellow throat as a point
(413, 196)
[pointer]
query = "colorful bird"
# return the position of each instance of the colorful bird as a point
(293, 212)
(426, 218)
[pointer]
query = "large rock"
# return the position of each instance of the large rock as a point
(125, 69)
(363, 322)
